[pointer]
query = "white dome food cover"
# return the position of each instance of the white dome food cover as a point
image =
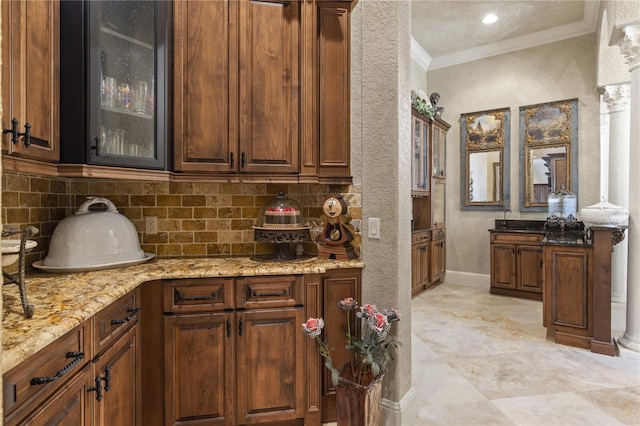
(604, 213)
(93, 238)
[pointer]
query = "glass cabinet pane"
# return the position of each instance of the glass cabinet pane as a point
(438, 194)
(439, 141)
(127, 78)
(420, 157)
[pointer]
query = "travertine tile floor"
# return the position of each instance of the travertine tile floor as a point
(480, 359)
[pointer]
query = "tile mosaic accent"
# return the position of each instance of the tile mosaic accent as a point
(194, 219)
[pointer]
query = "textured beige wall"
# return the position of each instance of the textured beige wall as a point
(557, 71)
(381, 125)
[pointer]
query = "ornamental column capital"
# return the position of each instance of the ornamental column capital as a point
(617, 97)
(630, 46)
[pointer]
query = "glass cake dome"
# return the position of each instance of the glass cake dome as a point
(281, 212)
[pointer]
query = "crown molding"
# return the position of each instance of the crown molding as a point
(419, 55)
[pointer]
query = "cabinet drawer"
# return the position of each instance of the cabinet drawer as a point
(269, 292)
(516, 238)
(114, 320)
(420, 237)
(198, 295)
(45, 372)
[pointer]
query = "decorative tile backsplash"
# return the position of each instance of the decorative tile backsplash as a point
(193, 219)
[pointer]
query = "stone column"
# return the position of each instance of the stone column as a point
(617, 97)
(630, 48)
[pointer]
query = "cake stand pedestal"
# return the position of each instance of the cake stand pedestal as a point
(282, 238)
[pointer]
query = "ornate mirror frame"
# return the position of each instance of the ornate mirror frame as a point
(548, 151)
(484, 160)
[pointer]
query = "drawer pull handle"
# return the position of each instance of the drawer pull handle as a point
(77, 357)
(240, 328)
(133, 313)
(283, 292)
(182, 298)
(228, 328)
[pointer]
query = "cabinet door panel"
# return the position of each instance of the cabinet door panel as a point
(122, 391)
(530, 268)
(30, 78)
(503, 265)
(269, 86)
(205, 85)
(270, 367)
(199, 368)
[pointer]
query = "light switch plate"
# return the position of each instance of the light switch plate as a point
(374, 228)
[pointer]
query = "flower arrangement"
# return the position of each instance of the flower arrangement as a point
(423, 105)
(370, 354)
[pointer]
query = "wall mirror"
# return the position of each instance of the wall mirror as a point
(484, 145)
(548, 152)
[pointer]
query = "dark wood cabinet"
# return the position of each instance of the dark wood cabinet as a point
(30, 78)
(517, 264)
(438, 260)
(420, 260)
(577, 289)
(115, 67)
(429, 198)
(117, 372)
(238, 360)
(236, 106)
(90, 376)
(116, 392)
(34, 388)
(274, 99)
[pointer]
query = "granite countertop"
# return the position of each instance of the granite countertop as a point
(63, 301)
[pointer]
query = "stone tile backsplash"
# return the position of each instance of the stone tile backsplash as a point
(193, 219)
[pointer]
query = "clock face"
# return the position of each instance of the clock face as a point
(332, 207)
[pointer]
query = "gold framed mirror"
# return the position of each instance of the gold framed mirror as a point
(548, 151)
(484, 145)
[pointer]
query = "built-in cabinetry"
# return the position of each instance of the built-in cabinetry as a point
(30, 79)
(428, 190)
(90, 376)
(517, 264)
(114, 71)
(274, 98)
(214, 347)
(420, 260)
(577, 289)
(227, 341)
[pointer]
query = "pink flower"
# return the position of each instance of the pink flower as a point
(313, 327)
(367, 310)
(348, 304)
(392, 314)
(378, 323)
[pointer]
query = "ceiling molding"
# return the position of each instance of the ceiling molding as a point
(587, 25)
(419, 54)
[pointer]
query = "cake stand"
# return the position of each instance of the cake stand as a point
(282, 237)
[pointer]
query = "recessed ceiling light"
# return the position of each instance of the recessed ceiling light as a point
(489, 19)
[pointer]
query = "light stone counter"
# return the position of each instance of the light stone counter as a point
(63, 301)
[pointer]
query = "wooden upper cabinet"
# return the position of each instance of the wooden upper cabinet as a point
(30, 76)
(333, 85)
(263, 87)
(236, 86)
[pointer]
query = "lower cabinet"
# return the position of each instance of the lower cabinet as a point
(420, 259)
(517, 264)
(239, 363)
(438, 259)
(66, 384)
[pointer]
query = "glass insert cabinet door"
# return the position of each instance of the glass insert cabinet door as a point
(420, 158)
(126, 85)
(125, 65)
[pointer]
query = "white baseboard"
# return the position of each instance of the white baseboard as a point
(402, 413)
(468, 278)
